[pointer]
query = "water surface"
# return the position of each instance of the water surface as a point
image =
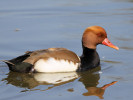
(31, 25)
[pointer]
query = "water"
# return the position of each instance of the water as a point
(39, 24)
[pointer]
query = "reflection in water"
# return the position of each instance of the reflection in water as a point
(97, 91)
(30, 81)
(55, 78)
(90, 80)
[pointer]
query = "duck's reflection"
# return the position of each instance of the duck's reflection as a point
(98, 91)
(30, 81)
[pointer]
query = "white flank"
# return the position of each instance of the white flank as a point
(53, 65)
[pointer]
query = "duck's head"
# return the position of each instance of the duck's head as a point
(95, 35)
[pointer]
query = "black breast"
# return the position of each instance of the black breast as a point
(89, 59)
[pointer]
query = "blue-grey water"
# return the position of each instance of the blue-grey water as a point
(38, 24)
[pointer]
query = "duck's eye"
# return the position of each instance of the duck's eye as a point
(100, 35)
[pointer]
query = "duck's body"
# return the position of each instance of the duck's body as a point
(46, 60)
(61, 59)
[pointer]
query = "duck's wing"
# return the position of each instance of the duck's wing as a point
(57, 53)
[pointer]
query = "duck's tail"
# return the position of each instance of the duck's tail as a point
(18, 66)
(7, 62)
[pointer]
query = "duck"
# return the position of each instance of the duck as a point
(61, 59)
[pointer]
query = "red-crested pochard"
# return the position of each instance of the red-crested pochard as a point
(61, 59)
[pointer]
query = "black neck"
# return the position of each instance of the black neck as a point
(89, 59)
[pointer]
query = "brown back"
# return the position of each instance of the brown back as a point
(57, 53)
